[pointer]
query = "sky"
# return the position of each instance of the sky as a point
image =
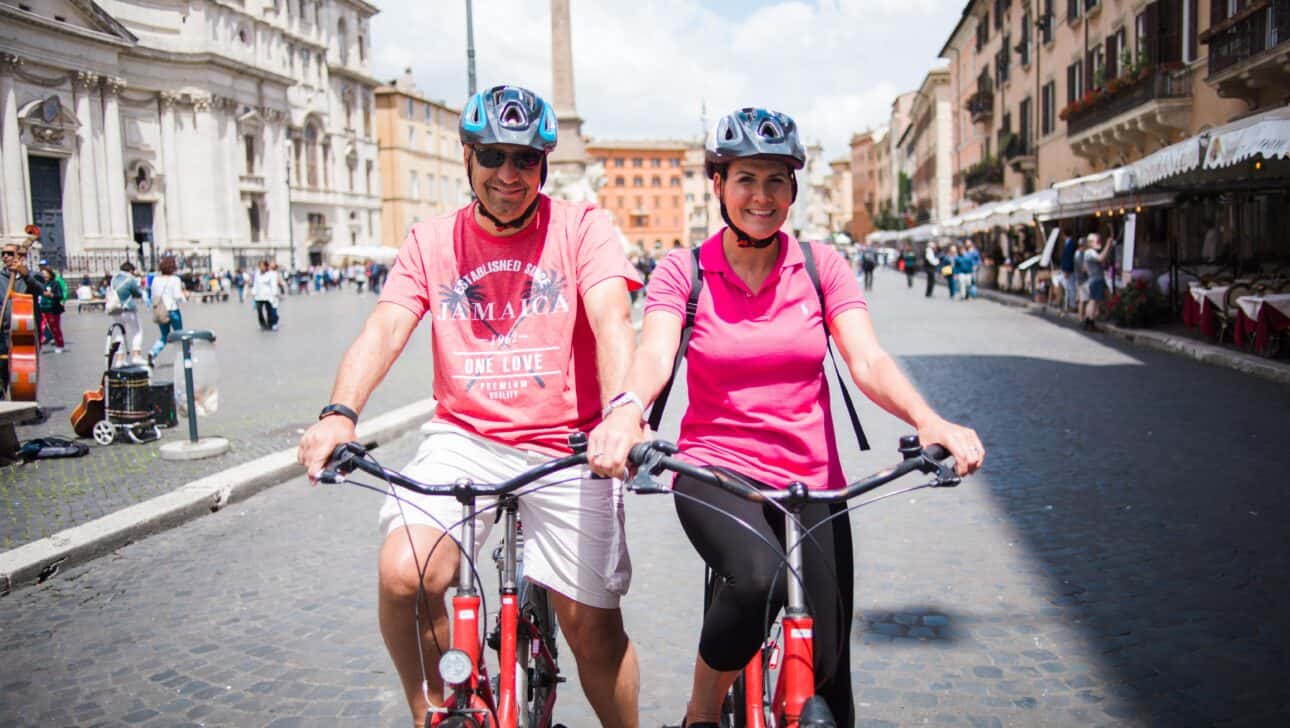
(647, 70)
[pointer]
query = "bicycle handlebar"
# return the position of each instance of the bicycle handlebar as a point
(350, 456)
(651, 458)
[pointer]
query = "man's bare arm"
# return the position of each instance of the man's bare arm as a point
(609, 313)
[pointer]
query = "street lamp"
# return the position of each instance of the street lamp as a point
(291, 228)
(470, 51)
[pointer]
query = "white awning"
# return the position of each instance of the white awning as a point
(1167, 162)
(1267, 134)
(1094, 187)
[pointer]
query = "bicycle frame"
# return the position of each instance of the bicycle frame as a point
(794, 691)
(473, 697)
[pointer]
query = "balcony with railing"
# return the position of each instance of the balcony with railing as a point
(1018, 151)
(1249, 51)
(981, 104)
(1143, 103)
(983, 181)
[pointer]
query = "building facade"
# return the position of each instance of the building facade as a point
(840, 193)
(422, 167)
(212, 132)
(864, 186)
(1051, 90)
(644, 191)
(927, 146)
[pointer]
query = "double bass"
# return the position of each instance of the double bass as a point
(24, 342)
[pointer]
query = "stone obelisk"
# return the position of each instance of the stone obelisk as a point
(570, 156)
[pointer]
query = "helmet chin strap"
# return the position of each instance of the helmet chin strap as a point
(743, 239)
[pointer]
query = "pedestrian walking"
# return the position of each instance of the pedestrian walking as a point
(266, 287)
(167, 295)
(52, 296)
(963, 273)
(239, 284)
(122, 303)
(910, 263)
(1095, 258)
(974, 255)
(1070, 280)
(868, 261)
(932, 264)
(947, 269)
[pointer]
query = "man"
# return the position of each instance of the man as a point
(1069, 279)
(932, 264)
(909, 262)
(266, 286)
(513, 273)
(17, 276)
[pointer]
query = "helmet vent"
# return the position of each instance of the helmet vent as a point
(512, 115)
(769, 130)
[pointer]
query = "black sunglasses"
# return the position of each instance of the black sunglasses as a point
(8, 253)
(492, 158)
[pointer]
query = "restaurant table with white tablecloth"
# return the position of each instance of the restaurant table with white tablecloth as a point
(1259, 318)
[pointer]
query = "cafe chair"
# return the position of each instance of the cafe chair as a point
(1226, 314)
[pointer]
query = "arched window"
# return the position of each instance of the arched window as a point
(342, 39)
(362, 49)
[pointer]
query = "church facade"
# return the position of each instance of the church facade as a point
(221, 133)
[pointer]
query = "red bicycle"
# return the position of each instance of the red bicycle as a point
(793, 702)
(522, 695)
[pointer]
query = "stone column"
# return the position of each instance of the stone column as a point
(236, 229)
(15, 197)
(112, 140)
(171, 199)
(91, 230)
(570, 155)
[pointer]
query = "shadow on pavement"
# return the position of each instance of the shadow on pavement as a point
(1152, 501)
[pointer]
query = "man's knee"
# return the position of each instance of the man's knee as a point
(594, 635)
(405, 563)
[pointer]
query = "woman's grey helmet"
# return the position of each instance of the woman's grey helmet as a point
(753, 132)
(508, 115)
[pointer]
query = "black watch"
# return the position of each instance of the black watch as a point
(339, 409)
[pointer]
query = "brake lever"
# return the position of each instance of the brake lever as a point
(339, 461)
(945, 475)
(650, 465)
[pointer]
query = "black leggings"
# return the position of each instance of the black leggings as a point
(734, 626)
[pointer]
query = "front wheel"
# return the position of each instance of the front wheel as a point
(816, 714)
(535, 606)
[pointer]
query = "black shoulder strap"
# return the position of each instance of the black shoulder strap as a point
(828, 339)
(691, 306)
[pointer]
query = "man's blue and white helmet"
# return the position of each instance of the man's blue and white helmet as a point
(508, 115)
(751, 132)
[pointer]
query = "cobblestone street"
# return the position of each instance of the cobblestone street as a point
(271, 386)
(1121, 560)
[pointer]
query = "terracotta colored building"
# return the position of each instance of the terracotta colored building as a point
(840, 194)
(864, 184)
(645, 190)
(422, 172)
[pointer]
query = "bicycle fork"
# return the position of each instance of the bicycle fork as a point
(508, 705)
(466, 692)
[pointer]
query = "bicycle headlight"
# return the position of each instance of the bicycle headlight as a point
(455, 667)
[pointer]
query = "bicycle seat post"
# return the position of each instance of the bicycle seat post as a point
(796, 606)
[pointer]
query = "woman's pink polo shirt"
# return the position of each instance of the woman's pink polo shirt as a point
(759, 400)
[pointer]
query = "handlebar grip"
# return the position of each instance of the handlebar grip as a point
(936, 452)
(338, 463)
(638, 453)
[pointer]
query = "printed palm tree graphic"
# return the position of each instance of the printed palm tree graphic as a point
(547, 284)
(455, 297)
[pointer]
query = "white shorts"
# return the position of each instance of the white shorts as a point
(575, 541)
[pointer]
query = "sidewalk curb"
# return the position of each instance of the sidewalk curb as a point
(1198, 350)
(38, 561)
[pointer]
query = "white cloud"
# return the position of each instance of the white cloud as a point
(647, 69)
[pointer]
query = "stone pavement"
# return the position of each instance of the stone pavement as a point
(1121, 561)
(271, 387)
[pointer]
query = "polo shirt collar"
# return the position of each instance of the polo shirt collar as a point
(712, 257)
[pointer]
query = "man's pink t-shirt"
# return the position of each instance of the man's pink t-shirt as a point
(759, 400)
(514, 353)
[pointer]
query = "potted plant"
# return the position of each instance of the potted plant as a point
(1136, 305)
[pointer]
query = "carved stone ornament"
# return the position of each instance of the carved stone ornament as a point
(201, 102)
(9, 63)
(169, 99)
(113, 85)
(86, 80)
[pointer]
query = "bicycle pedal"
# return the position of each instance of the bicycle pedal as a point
(494, 640)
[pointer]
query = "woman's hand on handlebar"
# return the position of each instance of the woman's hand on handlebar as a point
(962, 442)
(318, 442)
(611, 441)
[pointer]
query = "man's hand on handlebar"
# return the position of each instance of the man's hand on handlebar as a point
(962, 442)
(318, 442)
(611, 441)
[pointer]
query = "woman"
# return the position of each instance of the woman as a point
(761, 408)
(125, 287)
(1096, 258)
(167, 294)
(51, 306)
(947, 269)
(963, 268)
(265, 289)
